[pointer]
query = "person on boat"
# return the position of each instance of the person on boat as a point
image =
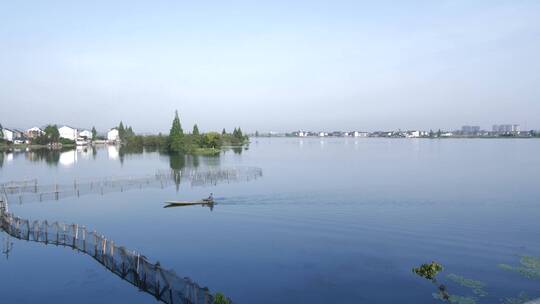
(210, 199)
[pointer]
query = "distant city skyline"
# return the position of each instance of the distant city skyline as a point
(273, 66)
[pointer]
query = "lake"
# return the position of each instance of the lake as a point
(334, 220)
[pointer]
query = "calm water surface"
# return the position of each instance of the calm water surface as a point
(330, 221)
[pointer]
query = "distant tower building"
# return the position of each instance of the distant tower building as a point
(470, 130)
(507, 128)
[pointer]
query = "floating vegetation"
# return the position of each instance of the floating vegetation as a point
(219, 298)
(530, 267)
(455, 299)
(522, 298)
(428, 271)
(477, 287)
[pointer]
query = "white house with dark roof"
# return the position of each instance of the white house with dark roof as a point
(13, 135)
(68, 132)
(34, 132)
(113, 135)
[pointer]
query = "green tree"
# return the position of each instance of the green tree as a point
(439, 133)
(256, 133)
(223, 132)
(52, 133)
(431, 134)
(121, 131)
(94, 132)
(195, 130)
(129, 132)
(176, 135)
(239, 133)
(212, 140)
(1, 132)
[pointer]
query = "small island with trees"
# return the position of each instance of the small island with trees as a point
(178, 141)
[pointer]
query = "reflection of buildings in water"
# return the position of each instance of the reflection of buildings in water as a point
(68, 158)
(9, 157)
(84, 151)
(112, 151)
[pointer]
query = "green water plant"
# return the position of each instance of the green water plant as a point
(529, 267)
(219, 298)
(428, 271)
(477, 287)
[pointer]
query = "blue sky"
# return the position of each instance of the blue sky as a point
(270, 66)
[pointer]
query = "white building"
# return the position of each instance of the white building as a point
(413, 134)
(68, 133)
(9, 135)
(113, 135)
(34, 132)
(360, 134)
(85, 134)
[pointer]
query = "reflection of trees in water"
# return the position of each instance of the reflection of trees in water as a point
(51, 157)
(1, 159)
(237, 150)
(211, 160)
(94, 152)
(123, 150)
(177, 162)
(155, 149)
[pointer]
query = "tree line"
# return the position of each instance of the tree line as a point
(180, 142)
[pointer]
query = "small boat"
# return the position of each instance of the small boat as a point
(205, 201)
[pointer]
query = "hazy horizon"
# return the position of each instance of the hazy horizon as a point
(275, 66)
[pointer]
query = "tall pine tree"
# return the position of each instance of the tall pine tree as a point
(176, 135)
(121, 131)
(94, 132)
(239, 134)
(195, 130)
